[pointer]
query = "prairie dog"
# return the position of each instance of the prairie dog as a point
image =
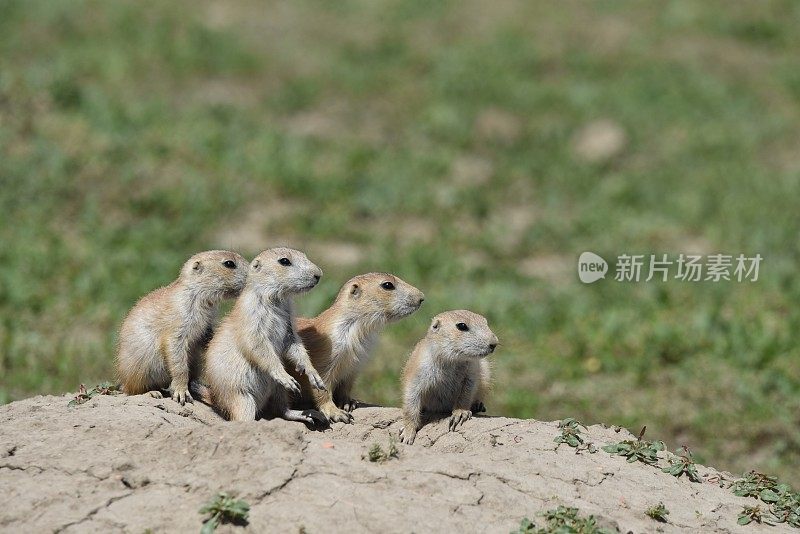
(340, 339)
(447, 371)
(244, 367)
(164, 334)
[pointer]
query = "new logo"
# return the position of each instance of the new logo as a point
(591, 267)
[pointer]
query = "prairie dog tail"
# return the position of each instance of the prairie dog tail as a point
(200, 391)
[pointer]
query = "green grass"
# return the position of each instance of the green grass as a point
(437, 142)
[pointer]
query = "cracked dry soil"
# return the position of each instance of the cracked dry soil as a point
(129, 464)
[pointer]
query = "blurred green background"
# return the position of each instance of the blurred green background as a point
(474, 149)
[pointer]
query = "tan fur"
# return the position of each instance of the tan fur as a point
(340, 339)
(447, 372)
(245, 361)
(164, 334)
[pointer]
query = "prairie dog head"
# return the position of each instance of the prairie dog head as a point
(380, 297)
(462, 333)
(220, 273)
(281, 272)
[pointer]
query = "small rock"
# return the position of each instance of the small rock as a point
(599, 141)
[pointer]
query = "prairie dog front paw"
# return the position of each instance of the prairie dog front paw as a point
(288, 382)
(350, 404)
(458, 418)
(313, 377)
(336, 415)
(180, 393)
(407, 434)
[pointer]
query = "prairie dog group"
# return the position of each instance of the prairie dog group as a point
(263, 360)
(162, 337)
(245, 362)
(340, 339)
(447, 372)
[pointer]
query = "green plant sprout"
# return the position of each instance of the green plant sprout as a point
(561, 520)
(104, 388)
(224, 509)
(377, 454)
(683, 465)
(639, 450)
(658, 512)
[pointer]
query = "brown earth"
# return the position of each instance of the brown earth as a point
(133, 464)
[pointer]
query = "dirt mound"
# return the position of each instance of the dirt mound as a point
(136, 463)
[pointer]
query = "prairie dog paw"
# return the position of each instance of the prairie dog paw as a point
(156, 394)
(182, 395)
(407, 434)
(314, 378)
(287, 381)
(478, 407)
(350, 404)
(458, 418)
(336, 415)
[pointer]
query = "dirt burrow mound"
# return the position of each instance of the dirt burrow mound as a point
(130, 464)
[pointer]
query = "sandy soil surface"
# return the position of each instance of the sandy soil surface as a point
(133, 464)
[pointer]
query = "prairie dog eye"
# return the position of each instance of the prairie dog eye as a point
(462, 326)
(388, 286)
(285, 262)
(229, 264)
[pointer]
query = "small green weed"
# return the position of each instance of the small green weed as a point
(224, 509)
(562, 520)
(750, 514)
(683, 465)
(755, 484)
(782, 501)
(786, 509)
(638, 450)
(105, 388)
(658, 512)
(377, 454)
(571, 435)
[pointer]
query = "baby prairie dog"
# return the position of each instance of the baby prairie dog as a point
(340, 339)
(163, 336)
(447, 372)
(245, 360)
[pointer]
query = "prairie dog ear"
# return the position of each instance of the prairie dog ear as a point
(436, 324)
(355, 291)
(256, 265)
(197, 267)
